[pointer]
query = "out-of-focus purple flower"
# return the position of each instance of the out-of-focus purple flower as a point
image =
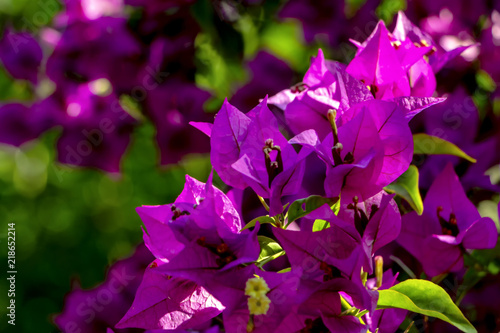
(457, 120)
(171, 107)
(20, 123)
(90, 50)
(96, 310)
(449, 226)
(325, 18)
(96, 129)
(158, 6)
(82, 10)
(490, 47)
(463, 11)
(21, 55)
(446, 40)
(269, 75)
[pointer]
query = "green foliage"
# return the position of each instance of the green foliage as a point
(284, 40)
(269, 250)
(302, 207)
(406, 186)
(215, 73)
(389, 8)
(261, 220)
(433, 145)
(320, 225)
(485, 82)
(426, 298)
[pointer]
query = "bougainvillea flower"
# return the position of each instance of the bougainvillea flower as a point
(200, 230)
(377, 219)
(437, 58)
(269, 164)
(322, 311)
(383, 65)
(401, 63)
(326, 85)
(449, 226)
(21, 55)
(376, 148)
(282, 295)
(163, 302)
(249, 150)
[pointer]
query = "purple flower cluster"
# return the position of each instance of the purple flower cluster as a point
(109, 71)
(304, 267)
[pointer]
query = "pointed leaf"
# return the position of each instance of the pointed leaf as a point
(320, 225)
(261, 220)
(406, 186)
(269, 250)
(433, 145)
(426, 298)
(302, 207)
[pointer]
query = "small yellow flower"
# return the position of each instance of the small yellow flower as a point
(256, 287)
(258, 306)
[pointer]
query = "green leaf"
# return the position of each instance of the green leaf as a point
(389, 8)
(406, 186)
(336, 206)
(320, 225)
(261, 219)
(285, 40)
(485, 82)
(426, 298)
(432, 145)
(269, 250)
(285, 270)
(302, 207)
